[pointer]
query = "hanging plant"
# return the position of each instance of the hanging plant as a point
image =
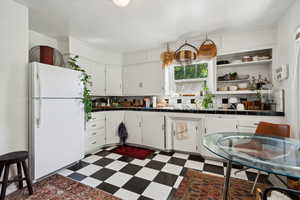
(86, 81)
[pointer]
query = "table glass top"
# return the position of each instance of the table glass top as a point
(276, 155)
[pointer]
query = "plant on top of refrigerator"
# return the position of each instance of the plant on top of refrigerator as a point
(86, 81)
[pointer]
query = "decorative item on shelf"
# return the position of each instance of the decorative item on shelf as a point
(167, 57)
(86, 81)
(186, 54)
(46, 55)
(207, 50)
(247, 59)
(207, 101)
(233, 76)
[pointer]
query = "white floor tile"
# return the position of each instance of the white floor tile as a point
(241, 175)
(172, 169)
(91, 159)
(161, 158)
(64, 172)
(91, 182)
(178, 181)
(140, 162)
(157, 191)
(181, 155)
(126, 195)
(212, 162)
(119, 179)
(89, 170)
(147, 173)
(194, 165)
(116, 165)
(113, 156)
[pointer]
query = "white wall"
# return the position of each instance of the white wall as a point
(13, 76)
(286, 53)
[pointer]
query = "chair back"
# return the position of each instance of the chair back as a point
(269, 129)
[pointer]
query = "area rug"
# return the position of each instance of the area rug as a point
(198, 185)
(135, 152)
(60, 188)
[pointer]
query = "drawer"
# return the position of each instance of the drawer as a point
(94, 143)
(93, 125)
(96, 132)
(249, 124)
(96, 116)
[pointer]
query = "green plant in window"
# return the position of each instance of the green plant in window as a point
(86, 81)
(190, 72)
(179, 72)
(202, 70)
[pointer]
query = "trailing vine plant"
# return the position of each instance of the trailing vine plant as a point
(86, 81)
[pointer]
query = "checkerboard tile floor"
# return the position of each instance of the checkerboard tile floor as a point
(130, 179)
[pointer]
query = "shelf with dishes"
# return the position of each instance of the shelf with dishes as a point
(246, 63)
(243, 92)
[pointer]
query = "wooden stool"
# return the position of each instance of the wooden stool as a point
(19, 159)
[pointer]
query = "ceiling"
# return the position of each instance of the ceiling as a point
(148, 23)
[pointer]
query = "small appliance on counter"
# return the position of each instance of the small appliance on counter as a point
(233, 101)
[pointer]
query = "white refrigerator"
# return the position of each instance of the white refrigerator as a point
(56, 127)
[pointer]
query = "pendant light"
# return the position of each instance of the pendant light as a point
(121, 3)
(208, 49)
(167, 57)
(186, 54)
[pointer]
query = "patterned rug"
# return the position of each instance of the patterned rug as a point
(60, 188)
(197, 185)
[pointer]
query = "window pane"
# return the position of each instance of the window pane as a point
(179, 72)
(202, 70)
(190, 71)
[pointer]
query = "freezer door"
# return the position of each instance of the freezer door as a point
(58, 139)
(55, 82)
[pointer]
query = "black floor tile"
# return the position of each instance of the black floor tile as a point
(131, 169)
(235, 166)
(103, 153)
(137, 185)
(103, 162)
(166, 179)
(167, 153)
(155, 164)
(144, 198)
(183, 171)
(77, 177)
(213, 169)
(103, 174)
(87, 155)
(78, 166)
(177, 161)
(126, 159)
(108, 188)
(196, 158)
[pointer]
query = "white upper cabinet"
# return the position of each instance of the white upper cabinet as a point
(153, 130)
(144, 79)
(97, 72)
(113, 80)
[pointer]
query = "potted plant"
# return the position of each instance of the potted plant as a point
(86, 81)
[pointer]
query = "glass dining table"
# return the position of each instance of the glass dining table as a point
(275, 155)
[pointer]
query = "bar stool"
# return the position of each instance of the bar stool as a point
(19, 159)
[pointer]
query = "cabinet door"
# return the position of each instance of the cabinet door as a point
(113, 80)
(132, 83)
(133, 124)
(153, 130)
(113, 120)
(98, 80)
(190, 144)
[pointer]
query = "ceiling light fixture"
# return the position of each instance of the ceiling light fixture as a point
(121, 3)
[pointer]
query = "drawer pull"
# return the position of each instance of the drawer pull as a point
(94, 142)
(95, 133)
(94, 125)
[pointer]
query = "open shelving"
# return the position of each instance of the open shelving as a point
(246, 63)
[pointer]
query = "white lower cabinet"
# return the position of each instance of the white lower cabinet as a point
(191, 143)
(113, 120)
(95, 132)
(153, 129)
(133, 123)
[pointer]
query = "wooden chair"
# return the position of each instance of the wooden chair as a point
(265, 129)
(19, 158)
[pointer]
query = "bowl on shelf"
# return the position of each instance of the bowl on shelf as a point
(243, 86)
(233, 88)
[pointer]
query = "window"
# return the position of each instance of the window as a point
(193, 71)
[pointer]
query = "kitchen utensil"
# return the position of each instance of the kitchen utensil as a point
(240, 107)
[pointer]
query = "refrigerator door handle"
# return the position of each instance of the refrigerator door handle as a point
(38, 120)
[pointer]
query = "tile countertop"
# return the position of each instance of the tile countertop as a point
(228, 112)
